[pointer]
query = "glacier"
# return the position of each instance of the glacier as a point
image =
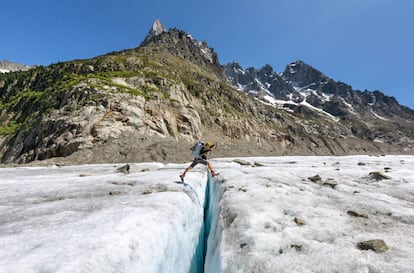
(92, 218)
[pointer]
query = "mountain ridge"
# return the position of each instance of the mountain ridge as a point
(151, 102)
(8, 66)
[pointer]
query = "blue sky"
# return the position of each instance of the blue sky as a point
(368, 44)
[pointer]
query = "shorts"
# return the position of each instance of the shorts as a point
(202, 160)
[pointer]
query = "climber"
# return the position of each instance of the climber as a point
(199, 152)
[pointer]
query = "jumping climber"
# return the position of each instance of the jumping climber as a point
(199, 152)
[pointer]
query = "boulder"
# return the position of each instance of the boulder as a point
(378, 176)
(330, 182)
(376, 245)
(315, 178)
(242, 162)
(123, 169)
(357, 214)
(299, 222)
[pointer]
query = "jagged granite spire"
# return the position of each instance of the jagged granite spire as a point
(183, 45)
(156, 29)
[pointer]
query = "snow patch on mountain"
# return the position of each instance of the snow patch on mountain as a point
(378, 116)
(350, 107)
(206, 51)
(279, 103)
(327, 97)
(305, 103)
(291, 68)
(270, 99)
(303, 88)
(263, 87)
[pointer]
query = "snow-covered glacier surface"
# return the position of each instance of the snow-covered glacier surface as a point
(276, 219)
(259, 215)
(92, 219)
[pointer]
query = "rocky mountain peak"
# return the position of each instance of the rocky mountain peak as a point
(305, 91)
(261, 83)
(302, 74)
(156, 29)
(267, 69)
(234, 66)
(183, 45)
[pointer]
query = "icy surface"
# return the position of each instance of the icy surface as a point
(260, 203)
(92, 219)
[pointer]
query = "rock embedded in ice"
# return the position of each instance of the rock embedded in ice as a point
(258, 164)
(357, 214)
(123, 169)
(299, 221)
(315, 178)
(121, 183)
(378, 176)
(330, 182)
(242, 162)
(376, 245)
(296, 247)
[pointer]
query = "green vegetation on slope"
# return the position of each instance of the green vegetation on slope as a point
(26, 97)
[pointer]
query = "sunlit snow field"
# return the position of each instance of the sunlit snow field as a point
(259, 206)
(267, 216)
(92, 219)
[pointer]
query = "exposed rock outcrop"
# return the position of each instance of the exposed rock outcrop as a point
(8, 66)
(310, 94)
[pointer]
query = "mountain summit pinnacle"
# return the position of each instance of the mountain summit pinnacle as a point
(156, 29)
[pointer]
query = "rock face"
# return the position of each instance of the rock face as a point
(304, 90)
(157, 29)
(150, 103)
(183, 45)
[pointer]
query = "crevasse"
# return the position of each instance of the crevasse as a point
(207, 257)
